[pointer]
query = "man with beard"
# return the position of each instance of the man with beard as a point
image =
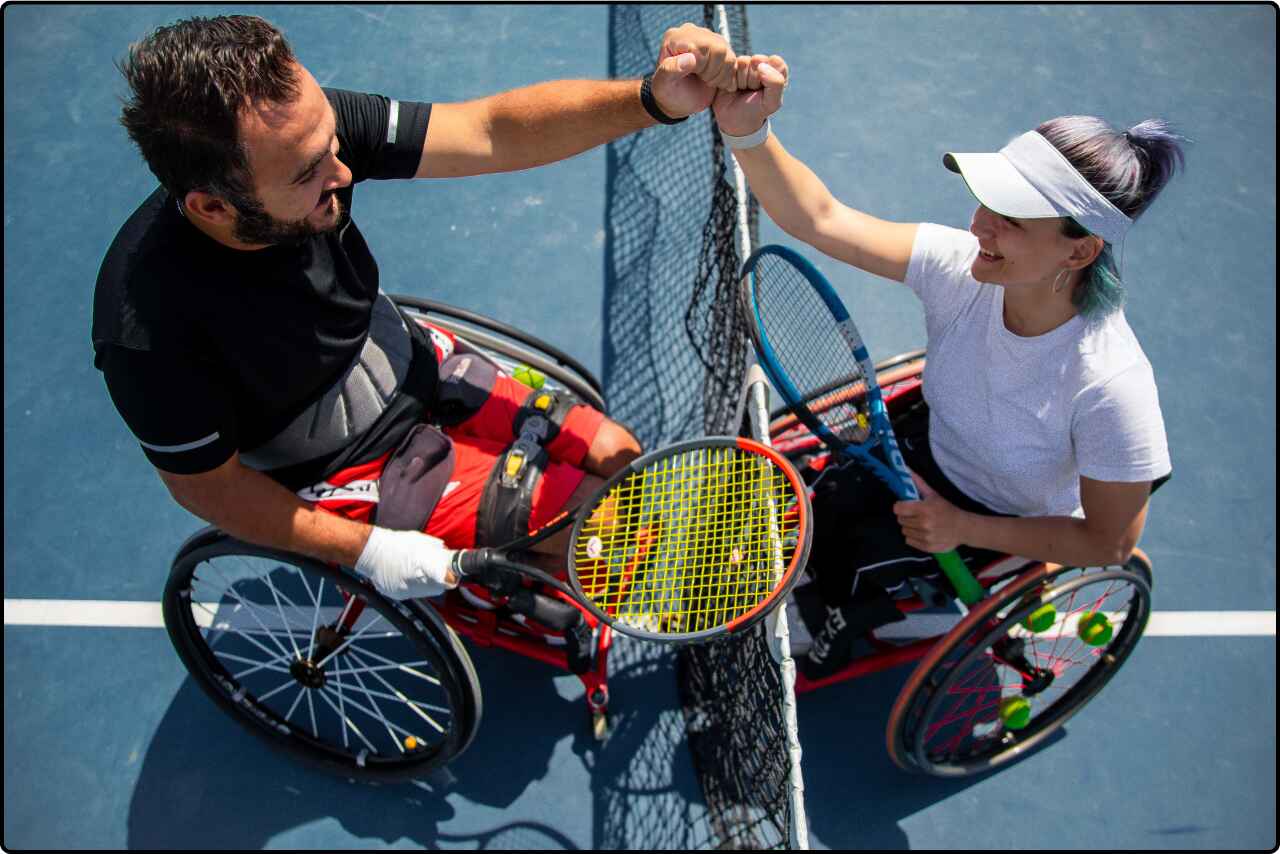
(242, 334)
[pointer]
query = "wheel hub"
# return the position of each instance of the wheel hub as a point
(1012, 653)
(307, 674)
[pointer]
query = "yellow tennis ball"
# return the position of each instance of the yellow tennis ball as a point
(529, 376)
(1015, 712)
(1094, 628)
(410, 743)
(1041, 619)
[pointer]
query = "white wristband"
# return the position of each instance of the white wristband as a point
(751, 140)
(406, 564)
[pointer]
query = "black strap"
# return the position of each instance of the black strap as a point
(651, 106)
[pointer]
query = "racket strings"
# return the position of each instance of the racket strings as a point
(690, 543)
(806, 340)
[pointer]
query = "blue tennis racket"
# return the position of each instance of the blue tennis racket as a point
(814, 355)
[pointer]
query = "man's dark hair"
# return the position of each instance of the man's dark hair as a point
(190, 81)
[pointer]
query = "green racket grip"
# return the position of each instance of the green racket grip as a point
(967, 587)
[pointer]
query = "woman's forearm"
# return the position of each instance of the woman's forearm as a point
(1064, 540)
(789, 191)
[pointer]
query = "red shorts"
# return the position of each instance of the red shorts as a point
(480, 442)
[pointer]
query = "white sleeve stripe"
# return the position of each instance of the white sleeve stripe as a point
(393, 123)
(177, 449)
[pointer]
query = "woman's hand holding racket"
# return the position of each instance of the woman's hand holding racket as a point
(931, 524)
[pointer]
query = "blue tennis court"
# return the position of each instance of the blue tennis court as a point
(109, 744)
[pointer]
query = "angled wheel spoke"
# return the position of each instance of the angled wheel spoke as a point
(353, 638)
(351, 701)
(382, 718)
(288, 716)
(348, 724)
(279, 654)
(284, 621)
(416, 706)
(272, 665)
(259, 576)
(311, 707)
(262, 698)
(342, 714)
(315, 618)
(407, 667)
(252, 610)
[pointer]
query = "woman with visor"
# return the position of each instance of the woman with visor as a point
(1041, 434)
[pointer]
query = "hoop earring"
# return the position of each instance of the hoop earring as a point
(1058, 278)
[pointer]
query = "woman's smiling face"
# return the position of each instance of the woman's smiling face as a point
(1018, 251)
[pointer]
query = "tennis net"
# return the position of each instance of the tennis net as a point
(679, 224)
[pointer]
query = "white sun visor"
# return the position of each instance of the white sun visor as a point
(1030, 179)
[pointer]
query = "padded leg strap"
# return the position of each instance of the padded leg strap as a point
(507, 501)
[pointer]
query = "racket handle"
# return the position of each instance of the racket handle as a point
(472, 561)
(967, 587)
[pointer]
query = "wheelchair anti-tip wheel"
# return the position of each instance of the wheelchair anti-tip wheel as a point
(1018, 666)
(315, 661)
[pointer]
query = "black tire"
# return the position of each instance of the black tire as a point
(410, 677)
(946, 720)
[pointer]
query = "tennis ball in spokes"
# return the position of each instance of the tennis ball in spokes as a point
(530, 377)
(1015, 712)
(1041, 619)
(1094, 628)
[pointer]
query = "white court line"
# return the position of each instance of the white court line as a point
(100, 613)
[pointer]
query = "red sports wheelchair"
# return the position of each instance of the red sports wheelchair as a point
(312, 658)
(995, 682)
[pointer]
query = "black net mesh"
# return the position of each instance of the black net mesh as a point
(676, 350)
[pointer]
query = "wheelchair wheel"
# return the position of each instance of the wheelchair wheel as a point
(315, 661)
(1018, 666)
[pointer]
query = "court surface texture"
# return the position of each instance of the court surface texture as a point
(109, 744)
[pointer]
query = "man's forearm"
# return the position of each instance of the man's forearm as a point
(251, 506)
(541, 124)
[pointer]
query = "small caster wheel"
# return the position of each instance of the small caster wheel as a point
(599, 725)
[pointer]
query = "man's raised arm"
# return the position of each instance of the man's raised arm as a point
(547, 122)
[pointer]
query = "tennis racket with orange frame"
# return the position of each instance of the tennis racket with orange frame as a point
(688, 543)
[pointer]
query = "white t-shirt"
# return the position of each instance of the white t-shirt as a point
(1014, 422)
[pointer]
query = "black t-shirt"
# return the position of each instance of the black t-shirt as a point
(207, 350)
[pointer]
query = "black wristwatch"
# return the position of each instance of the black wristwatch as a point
(651, 106)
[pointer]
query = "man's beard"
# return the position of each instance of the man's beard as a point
(255, 226)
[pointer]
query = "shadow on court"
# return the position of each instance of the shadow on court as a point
(854, 791)
(207, 782)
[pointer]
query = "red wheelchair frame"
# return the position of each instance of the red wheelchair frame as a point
(473, 611)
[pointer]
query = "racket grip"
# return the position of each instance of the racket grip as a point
(472, 561)
(967, 587)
